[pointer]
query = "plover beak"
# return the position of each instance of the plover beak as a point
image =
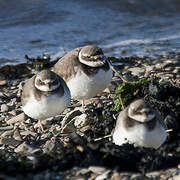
(101, 58)
(144, 114)
(48, 85)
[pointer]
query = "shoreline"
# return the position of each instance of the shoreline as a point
(76, 155)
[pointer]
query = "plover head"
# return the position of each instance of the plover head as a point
(92, 56)
(47, 80)
(141, 111)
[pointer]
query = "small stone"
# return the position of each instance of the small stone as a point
(14, 100)
(111, 87)
(13, 87)
(7, 133)
(18, 118)
(169, 63)
(169, 69)
(80, 148)
(162, 176)
(17, 135)
(69, 127)
(27, 133)
(2, 94)
(9, 103)
(99, 105)
(103, 176)
(1, 118)
(97, 169)
(4, 108)
(177, 70)
(136, 176)
(25, 148)
(159, 66)
(45, 136)
(150, 68)
(69, 116)
(13, 112)
(81, 170)
(7, 94)
(115, 176)
(137, 71)
(33, 158)
(3, 82)
(52, 145)
(15, 82)
(80, 121)
(84, 128)
(28, 121)
(153, 174)
(10, 142)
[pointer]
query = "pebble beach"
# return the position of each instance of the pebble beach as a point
(77, 144)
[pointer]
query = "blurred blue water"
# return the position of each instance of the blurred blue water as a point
(120, 27)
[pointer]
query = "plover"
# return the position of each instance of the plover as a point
(86, 72)
(44, 95)
(141, 125)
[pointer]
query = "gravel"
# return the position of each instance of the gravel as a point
(78, 145)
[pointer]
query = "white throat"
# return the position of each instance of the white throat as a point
(91, 63)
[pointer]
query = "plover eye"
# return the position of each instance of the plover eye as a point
(40, 82)
(55, 82)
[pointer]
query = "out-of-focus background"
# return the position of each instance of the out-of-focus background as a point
(120, 27)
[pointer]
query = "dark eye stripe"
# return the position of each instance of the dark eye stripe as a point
(39, 82)
(55, 82)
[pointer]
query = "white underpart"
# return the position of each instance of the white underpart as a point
(140, 136)
(85, 87)
(48, 106)
(92, 63)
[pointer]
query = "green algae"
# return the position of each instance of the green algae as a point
(126, 92)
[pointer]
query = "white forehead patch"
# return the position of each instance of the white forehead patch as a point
(92, 63)
(46, 88)
(99, 56)
(141, 118)
(46, 81)
(42, 88)
(84, 54)
(145, 110)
